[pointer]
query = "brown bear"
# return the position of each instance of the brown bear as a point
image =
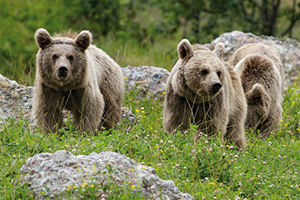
(262, 77)
(72, 74)
(203, 90)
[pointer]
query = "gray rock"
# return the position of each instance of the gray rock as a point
(127, 114)
(50, 175)
(147, 79)
(15, 100)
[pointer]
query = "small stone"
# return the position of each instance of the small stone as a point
(15, 94)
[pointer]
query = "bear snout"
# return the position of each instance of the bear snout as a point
(215, 87)
(62, 72)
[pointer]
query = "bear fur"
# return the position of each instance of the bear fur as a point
(72, 74)
(262, 77)
(203, 90)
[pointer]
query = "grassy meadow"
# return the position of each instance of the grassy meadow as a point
(207, 169)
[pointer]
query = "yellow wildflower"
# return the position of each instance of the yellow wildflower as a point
(143, 167)
(84, 184)
(164, 93)
(125, 78)
(68, 186)
(137, 110)
(132, 186)
(92, 186)
(284, 145)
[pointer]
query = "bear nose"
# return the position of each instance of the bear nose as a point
(216, 86)
(62, 70)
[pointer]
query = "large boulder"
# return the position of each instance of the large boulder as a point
(53, 174)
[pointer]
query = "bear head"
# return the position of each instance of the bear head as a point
(200, 72)
(61, 61)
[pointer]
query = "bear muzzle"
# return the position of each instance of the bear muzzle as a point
(215, 87)
(62, 73)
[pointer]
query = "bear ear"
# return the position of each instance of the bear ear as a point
(258, 96)
(83, 40)
(42, 38)
(185, 49)
(220, 50)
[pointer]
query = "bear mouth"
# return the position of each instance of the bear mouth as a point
(62, 77)
(213, 91)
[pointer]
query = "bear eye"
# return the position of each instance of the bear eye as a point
(219, 74)
(204, 72)
(54, 57)
(70, 58)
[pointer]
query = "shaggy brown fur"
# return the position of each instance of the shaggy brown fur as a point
(262, 77)
(72, 74)
(204, 91)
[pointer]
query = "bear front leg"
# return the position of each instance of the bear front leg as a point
(112, 112)
(176, 114)
(112, 115)
(88, 111)
(236, 134)
(211, 118)
(272, 122)
(47, 109)
(268, 126)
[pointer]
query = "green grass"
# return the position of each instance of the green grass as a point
(268, 169)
